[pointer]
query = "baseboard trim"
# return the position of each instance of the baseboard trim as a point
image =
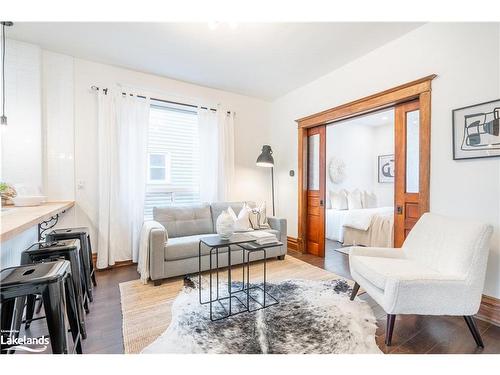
(116, 265)
(292, 243)
(489, 310)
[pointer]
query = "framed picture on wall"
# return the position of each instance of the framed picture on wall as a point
(386, 170)
(476, 131)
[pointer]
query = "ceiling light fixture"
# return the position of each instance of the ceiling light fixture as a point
(3, 119)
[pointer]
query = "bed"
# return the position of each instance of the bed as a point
(365, 226)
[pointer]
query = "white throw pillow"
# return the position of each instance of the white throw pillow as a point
(369, 200)
(242, 221)
(338, 200)
(258, 218)
(354, 200)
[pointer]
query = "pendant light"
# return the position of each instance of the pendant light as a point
(3, 119)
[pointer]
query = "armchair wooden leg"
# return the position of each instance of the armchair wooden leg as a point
(391, 318)
(157, 282)
(355, 290)
(471, 323)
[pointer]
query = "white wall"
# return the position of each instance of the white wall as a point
(382, 144)
(466, 59)
(359, 146)
(71, 114)
(21, 139)
(353, 145)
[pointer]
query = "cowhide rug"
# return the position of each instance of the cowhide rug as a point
(311, 317)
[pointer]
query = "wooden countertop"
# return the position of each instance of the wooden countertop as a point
(15, 220)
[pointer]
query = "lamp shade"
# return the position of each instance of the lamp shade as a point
(265, 158)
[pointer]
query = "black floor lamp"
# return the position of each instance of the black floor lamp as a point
(266, 160)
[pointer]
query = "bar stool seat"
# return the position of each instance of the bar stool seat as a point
(82, 235)
(50, 251)
(51, 280)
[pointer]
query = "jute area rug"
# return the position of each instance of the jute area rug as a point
(146, 309)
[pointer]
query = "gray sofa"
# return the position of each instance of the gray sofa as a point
(174, 251)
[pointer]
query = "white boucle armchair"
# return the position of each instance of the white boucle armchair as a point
(439, 270)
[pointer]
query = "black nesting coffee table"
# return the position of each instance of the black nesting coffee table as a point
(242, 296)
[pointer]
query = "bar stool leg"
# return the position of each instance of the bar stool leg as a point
(76, 276)
(92, 270)
(30, 310)
(84, 260)
(53, 299)
(72, 313)
(6, 314)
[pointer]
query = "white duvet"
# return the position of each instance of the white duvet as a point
(360, 219)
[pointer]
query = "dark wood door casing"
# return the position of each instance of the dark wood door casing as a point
(419, 90)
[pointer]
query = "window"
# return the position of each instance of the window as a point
(159, 168)
(173, 157)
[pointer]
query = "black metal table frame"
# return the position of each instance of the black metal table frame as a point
(232, 294)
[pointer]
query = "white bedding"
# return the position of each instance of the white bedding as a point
(357, 219)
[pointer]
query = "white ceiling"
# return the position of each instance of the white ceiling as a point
(264, 60)
(374, 119)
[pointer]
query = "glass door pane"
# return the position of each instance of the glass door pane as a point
(412, 151)
(313, 162)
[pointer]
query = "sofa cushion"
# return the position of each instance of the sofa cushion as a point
(379, 270)
(218, 207)
(182, 221)
(187, 247)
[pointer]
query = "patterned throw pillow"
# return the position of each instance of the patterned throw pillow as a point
(258, 218)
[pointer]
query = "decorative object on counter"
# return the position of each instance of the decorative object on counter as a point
(225, 225)
(476, 131)
(7, 192)
(266, 160)
(386, 169)
(336, 170)
(28, 200)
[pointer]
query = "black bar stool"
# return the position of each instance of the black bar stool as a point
(51, 280)
(80, 234)
(50, 251)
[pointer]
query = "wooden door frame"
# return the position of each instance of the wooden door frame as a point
(419, 89)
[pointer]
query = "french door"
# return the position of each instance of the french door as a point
(412, 154)
(412, 103)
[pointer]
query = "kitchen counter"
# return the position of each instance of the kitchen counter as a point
(15, 220)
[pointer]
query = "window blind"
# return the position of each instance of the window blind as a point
(173, 130)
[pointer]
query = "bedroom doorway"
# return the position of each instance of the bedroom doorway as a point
(360, 177)
(411, 104)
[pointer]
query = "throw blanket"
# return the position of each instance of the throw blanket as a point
(362, 218)
(143, 262)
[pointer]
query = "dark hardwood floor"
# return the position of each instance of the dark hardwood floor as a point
(413, 334)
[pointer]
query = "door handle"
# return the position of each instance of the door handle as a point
(399, 210)
(321, 203)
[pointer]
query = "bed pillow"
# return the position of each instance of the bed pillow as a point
(369, 200)
(338, 200)
(354, 200)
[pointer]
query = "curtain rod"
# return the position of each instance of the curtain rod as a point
(105, 90)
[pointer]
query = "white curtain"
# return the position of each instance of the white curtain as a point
(123, 122)
(216, 132)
